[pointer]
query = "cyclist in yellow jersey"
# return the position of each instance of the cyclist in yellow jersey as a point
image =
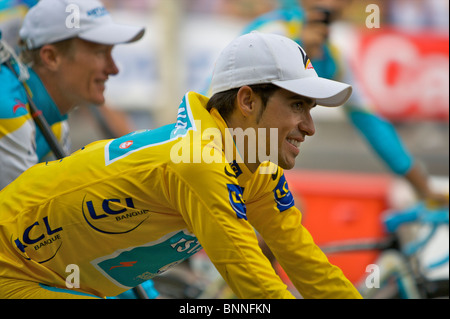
(66, 59)
(128, 209)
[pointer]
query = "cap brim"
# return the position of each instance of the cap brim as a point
(113, 33)
(325, 92)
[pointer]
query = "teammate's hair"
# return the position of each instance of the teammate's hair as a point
(33, 57)
(224, 102)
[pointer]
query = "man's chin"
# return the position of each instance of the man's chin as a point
(286, 165)
(95, 102)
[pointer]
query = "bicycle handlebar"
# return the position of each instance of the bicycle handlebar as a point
(422, 214)
(418, 213)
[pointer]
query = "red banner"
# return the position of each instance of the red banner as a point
(405, 74)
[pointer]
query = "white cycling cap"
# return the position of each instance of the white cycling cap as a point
(51, 21)
(257, 58)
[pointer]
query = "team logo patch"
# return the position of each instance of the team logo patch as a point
(113, 216)
(236, 170)
(283, 196)
(19, 105)
(126, 145)
(306, 61)
(132, 266)
(235, 193)
(122, 147)
(40, 241)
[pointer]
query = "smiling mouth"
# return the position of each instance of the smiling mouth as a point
(101, 83)
(294, 142)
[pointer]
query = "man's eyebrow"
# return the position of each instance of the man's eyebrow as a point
(296, 97)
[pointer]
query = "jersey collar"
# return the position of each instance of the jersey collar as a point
(241, 171)
(43, 100)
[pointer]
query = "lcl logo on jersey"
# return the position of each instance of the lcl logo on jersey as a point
(235, 194)
(283, 196)
(113, 216)
(40, 241)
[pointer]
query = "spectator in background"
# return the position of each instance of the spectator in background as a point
(247, 9)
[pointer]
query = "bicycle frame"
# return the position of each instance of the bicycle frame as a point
(398, 265)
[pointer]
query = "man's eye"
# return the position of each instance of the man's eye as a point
(298, 105)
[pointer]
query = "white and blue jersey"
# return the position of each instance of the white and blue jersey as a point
(22, 144)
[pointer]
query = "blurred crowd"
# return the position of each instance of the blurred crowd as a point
(402, 13)
(412, 14)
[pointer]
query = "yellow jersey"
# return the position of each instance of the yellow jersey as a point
(128, 209)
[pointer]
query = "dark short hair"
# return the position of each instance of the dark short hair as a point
(224, 101)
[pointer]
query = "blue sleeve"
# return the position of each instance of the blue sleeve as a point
(384, 140)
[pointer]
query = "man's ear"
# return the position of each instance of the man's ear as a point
(50, 57)
(246, 101)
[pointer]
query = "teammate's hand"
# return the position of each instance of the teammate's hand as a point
(437, 200)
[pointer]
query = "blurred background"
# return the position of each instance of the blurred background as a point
(402, 67)
(184, 37)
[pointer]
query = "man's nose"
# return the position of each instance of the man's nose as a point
(307, 126)
(112, 68)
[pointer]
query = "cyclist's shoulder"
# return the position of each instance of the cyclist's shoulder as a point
(12, 94)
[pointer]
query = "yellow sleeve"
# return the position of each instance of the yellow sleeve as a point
(306, 265)
(213, 211)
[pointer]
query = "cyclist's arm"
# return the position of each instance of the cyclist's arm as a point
(383, 139)
(204, 199)
(292, 245)
(379, 133)
(386, 143)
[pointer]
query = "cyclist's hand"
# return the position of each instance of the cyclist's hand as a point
(437, 200)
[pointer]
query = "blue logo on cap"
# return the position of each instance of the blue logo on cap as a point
(97, 12)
